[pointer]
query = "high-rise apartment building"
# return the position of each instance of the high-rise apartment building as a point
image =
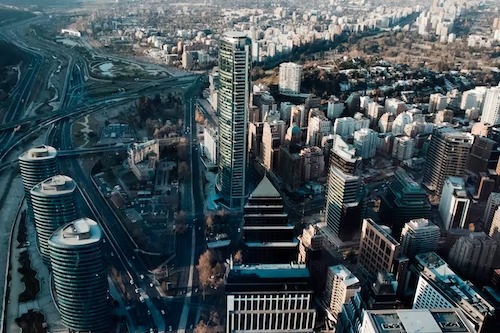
(491, 106)
(439, 287)
(366, 142)
(268, 237)
(80, 277)
(403, 148)
(344, 126)
(419, 236)
(311, 246)
(377, 250)
(403, 201)
(54, 205)
(447, 156)
(233, 104)
(437, 102)
(270, 145)
(269, 298)
(290, 77)
(318, 126)
(341, 285)
(472, 256)
(473, 98)
(335, 108)
(36, 165)
(290, 167)
(454, 203)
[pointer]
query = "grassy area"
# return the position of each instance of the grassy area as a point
(81, 138)
(31, 322)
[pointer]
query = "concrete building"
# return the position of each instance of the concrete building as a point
(318, 127)
(142, 159)
(269, 298)
(415, 321)
(36, 165)
(290, 167)
(344, 198)
(210, 144)
(491, 206)
(472, 256)
(484, 155)
(375, 111)
(439, 287)
(385, 122)
(311, 246)
(270, 145)
(366, 142)
(473, 98)
(233, 104)
(443, 116)
(403, 148)
(298, 116)
(290, 77)
(344, 126)
(419, 236)
(398, 125)
(377, 250)
(80, 277)
(268, 237)
(335, 108)
(491, 106)
(54, 205)
(313, 163)
(447, 156)
(341, 285)
(394, 106)
(403, 201)
(437, 102)
(454, 203)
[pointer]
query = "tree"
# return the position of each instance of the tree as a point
(209, 221)
(238, 257)
(182, 171)
(205, 269)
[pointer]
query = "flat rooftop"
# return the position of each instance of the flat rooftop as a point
(39, 153)
(56, 185)
(83, 231)
(418, 321)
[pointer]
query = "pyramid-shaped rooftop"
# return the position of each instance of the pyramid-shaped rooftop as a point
(265, 189)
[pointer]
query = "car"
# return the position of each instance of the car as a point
(162, 312)
(142, 276)
(170, 328)
(112, 254)
(151, 284)
(131, 281)
(137, 290)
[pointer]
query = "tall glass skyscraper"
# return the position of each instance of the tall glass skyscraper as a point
(233, 104)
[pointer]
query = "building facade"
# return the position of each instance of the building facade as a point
(454, 203)
(233, 104)
(80, 277)
(54, 205)
(491, 106)
(290, 77)
(341, 285)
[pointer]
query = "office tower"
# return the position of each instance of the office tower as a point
(419, 236)
(36, 165)
(447, 156)
(270, 145)
(403, 201)
(268, 237)
(491, 206)
(344, 198)
(382, 294)
(54, 205)
(484, 155)
(269, 298)
(377, 250)
(439, 287)
(313, 163)
(335, 108)
(290, 77)
(491, 106)
(233, 104)
(437, 102)
(366, 142)
(351, 316)
(290, 167)
(318, 126)
(80, 278)
(485, 187)
(255, 133)
(398, 125)
(472, 256)
(454, 203)
(341, 285)
(403, 148)
(415, 321)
